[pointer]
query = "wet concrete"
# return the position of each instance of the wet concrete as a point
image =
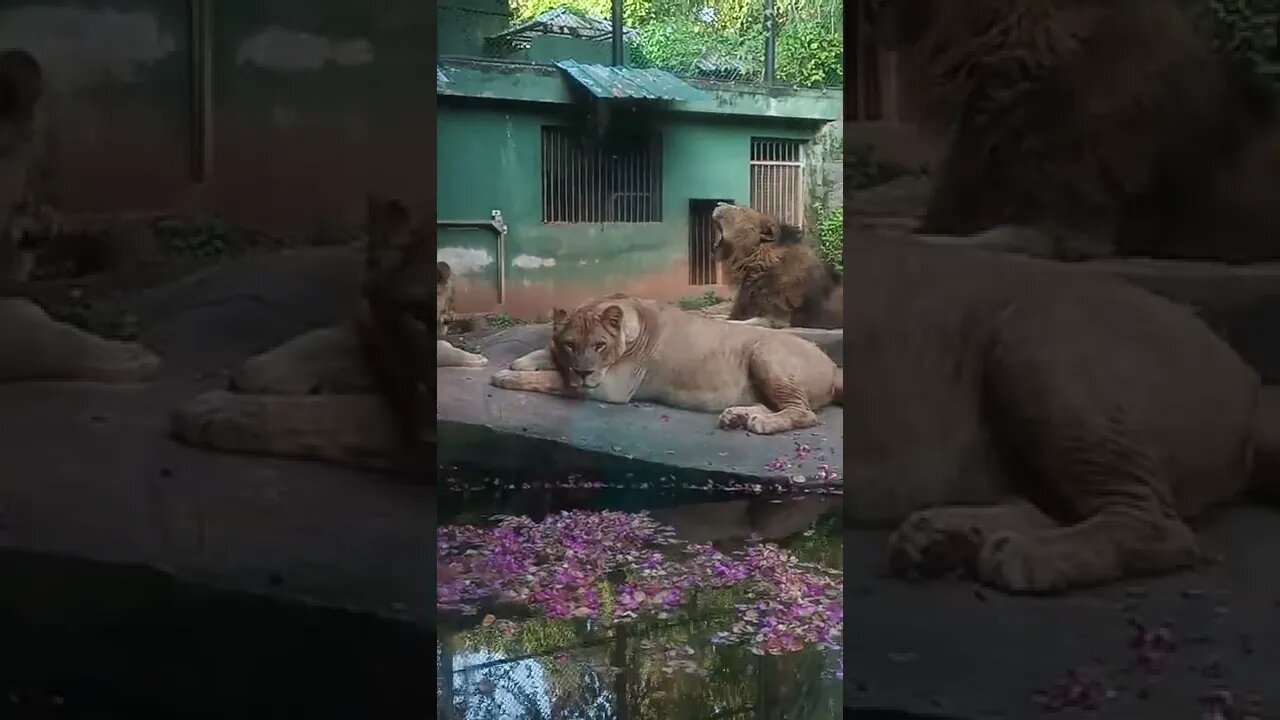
(96, 640)
(500, 430)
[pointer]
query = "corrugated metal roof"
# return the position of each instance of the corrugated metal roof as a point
(615, 83)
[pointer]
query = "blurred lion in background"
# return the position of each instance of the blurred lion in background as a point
(26, 198)
(1105, 127)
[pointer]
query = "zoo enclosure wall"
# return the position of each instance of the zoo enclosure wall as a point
(492, 119)
(277, 114)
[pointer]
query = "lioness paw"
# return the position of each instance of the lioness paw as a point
(735, 418)
(934, 543)
(1017, 563)
(506, 379)
(770, 424)
(474, 360)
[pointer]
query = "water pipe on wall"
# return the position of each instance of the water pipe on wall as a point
(499, 227)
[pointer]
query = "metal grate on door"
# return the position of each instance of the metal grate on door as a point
(613, 183)
(777, 179)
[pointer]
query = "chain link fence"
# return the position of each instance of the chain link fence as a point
(717, 39)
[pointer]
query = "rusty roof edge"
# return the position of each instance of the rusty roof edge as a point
(608, 82)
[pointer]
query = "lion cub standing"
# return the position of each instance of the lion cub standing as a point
(446, 354)
(620, 349)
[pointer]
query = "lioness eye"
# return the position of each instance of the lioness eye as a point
(568, 346)
(599, 346)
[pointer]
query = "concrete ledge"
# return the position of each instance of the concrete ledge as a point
(487, 428)
(955, 650)
(104, 638)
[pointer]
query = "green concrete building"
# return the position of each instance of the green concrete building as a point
(561, 179)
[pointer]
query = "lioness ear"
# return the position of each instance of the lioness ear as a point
(558, 317)
(443, 272)
(611, 317)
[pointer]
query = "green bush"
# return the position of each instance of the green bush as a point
(728, 41)
(830, 233)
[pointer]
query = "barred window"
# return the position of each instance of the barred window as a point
(604, 183)
(777, 179)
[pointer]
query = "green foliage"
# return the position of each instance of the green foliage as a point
(808, 56)
(830, 232)
(1244, 29)
(502, 321)
(698, 302)
(724, 38)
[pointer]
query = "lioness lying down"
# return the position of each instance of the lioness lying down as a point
(619, 349)
(356, 392)
(1039, 426)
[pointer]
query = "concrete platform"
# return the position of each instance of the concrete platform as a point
(951, 649)
(496, 430)
(90, 472)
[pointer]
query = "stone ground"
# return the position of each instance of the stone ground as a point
(953, 649)
(90, 472)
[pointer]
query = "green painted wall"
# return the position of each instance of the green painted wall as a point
(490, 118)
(490, 159)
(315, 106)
(462, 25)
(119, 99)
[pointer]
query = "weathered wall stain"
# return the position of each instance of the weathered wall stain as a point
(82, 47)
(285, 50)
(465, 261)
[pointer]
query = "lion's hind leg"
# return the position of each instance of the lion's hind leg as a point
(776, 378)
(1101, 473)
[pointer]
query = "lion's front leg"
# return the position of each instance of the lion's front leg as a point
(537, 360)
(449, 356)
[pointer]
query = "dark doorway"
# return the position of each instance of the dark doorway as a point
(703, 268)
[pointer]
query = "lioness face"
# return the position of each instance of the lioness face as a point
(741, 229)
(586, 343)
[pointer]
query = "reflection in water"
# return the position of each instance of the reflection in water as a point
(614, 615)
